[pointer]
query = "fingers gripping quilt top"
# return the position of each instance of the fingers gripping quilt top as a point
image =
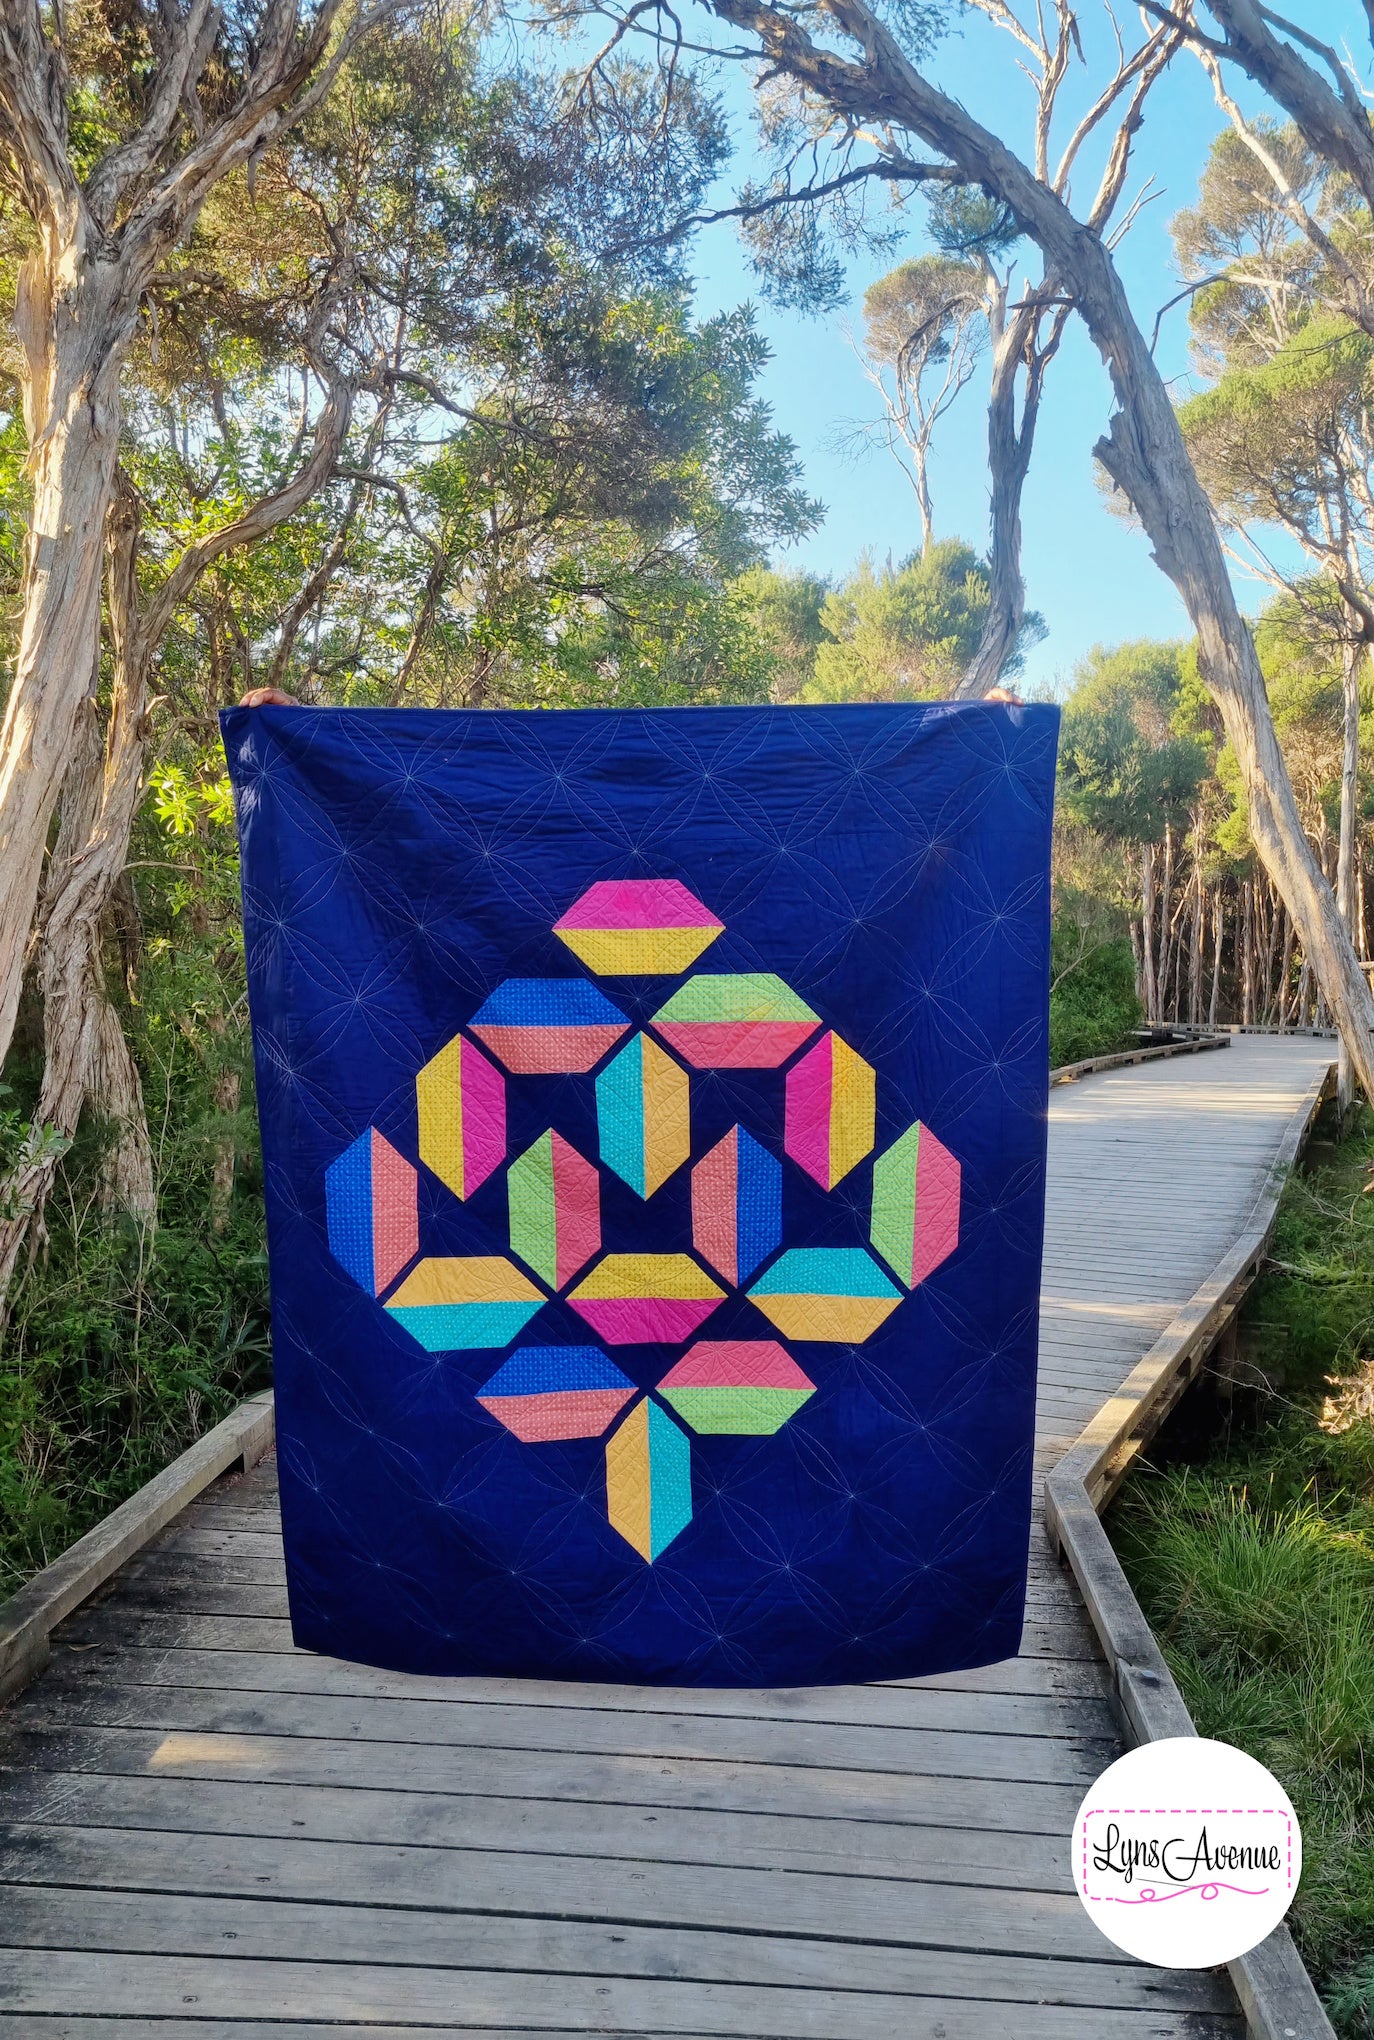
(653, 1116)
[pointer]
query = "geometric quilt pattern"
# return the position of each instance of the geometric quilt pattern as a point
(692, 1249)
(742, 1388)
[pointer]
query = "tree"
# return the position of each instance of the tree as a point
(860, 74)
(1326, 105)
(904, 633)
(387, 250)
(925, 325)
(570, 551)
(1283, 438)
(783, 613)
(1128, 774)
(111, 142)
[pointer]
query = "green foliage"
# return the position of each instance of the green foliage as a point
(120, 1354)
(966, 221)
(910, 314)
(1272, 441)
(1125, 770)
(121, 1348)
(1256, 1569)
(903, 634)
(783, 612)
(1093, 1003)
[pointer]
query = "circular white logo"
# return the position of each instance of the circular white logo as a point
(1186, 1853)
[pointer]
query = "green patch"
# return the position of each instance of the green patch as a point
(1256, 1568)
(1093, 1005)
(121, 1350)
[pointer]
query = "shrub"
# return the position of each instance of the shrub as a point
(1093, 1004)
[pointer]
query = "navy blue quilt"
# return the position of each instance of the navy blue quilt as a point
(653, 1118)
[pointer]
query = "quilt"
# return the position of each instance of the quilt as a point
(653, 1121)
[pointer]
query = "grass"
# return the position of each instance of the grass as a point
(1255, 1562)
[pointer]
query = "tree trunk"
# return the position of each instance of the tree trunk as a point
(923, 504)
(74, 325)
(1139, 962)
(1247, 978)
(85, 1053)
(1009, 453)
(1166, 890)
(1272, 907)
(1286, 968)
(1195, 953)
(1361, 909)
(1346, 887)
(1147, 931)
(1143, 451)
(1218, 937)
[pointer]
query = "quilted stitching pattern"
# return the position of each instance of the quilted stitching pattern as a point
(886, 868)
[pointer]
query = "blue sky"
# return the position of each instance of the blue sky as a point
(1090, 574)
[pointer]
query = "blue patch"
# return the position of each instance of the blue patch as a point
(403, 873)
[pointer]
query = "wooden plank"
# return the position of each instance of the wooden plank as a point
(1273, 1985)
(158, 1629)
(966, 1754)
(515, 1775)
(840, 1847)
(483, 1701)
(799, 1903)
(116, 1985)
(201, 1926)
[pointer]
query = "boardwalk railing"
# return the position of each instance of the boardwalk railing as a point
(1275, 1991)
(1123, 1058)
(28, 1620)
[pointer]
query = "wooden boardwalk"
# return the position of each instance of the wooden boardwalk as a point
(210, 1836)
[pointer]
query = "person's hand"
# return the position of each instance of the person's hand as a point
(1004, 694)
(268, 697)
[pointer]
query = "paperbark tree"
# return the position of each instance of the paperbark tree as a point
(217, 89)
(1284, 437)
(862, 73)
(85, 1050)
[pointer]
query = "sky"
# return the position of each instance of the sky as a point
(1088, 572)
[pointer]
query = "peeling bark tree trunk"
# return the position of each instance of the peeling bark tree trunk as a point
(86, 1055)
(100, 232)
(1147, 931)
(84, 1046)
(85, 1052)
(74, 325)
(1009, 453)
